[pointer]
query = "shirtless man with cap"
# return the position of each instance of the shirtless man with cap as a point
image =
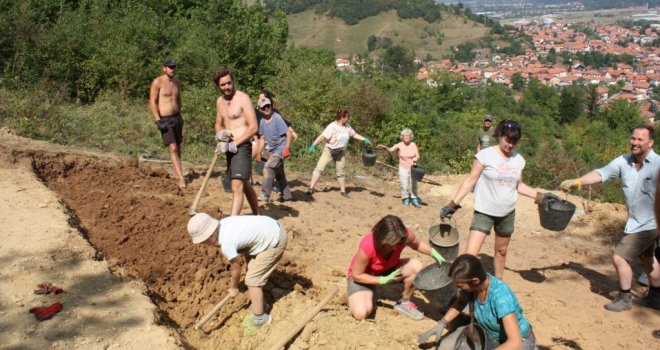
(165, 106)
(236, 117)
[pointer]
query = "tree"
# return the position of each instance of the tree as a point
(372, 42)
(621, 114)
(571, 102)
(517, 81)
(398, 59)
(592, 99)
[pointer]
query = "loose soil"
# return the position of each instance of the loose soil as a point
(134, 217)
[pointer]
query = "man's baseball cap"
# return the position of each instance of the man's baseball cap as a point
(169, 63)
(488, 117)
(263, 102)
(201, 227)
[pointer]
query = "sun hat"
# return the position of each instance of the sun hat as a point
(263, 102)
(201, 227)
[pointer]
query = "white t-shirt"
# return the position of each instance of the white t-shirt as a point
(251, 234)
(337, 135)
(496, 190)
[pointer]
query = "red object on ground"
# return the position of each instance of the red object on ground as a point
(48, 288)
(47, 312)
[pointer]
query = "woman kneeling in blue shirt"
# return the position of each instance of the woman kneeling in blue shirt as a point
(495, 307)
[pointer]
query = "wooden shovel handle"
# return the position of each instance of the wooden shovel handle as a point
(193, 207)
(208, 316)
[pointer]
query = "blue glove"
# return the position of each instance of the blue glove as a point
(312, 148)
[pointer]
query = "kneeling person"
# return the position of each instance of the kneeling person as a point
(260, 237)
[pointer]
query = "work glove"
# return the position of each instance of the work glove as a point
(223, 135)
(448, 210)
(435, 331)
(161, 125)
(286, 153)
(46, 312)
(437, 256)
(231, 147)
(544, 197)
(221, 147)
(312, 148)
(389, 278)
(366, 141)
(566, 185)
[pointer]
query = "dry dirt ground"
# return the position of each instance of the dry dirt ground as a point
(134, 218)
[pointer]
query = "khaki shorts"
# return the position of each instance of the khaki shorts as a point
(262, 265)
(635, 245)
(326, 157)
(484, 223)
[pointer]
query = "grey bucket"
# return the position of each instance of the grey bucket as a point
(479, 340)
(417, 172)
(444, 238)
(556, 213)
(436, 285)
(368, 157)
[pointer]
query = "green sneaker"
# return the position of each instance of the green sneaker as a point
(252, 324)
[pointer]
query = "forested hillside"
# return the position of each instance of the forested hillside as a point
(79, 73)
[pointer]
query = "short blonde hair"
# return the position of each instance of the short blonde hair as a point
(407, 131)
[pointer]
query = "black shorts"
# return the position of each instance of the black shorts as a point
(239, 164)
(174, 131)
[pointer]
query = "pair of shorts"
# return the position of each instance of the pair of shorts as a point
(264, 263)
(239, 164)
(484, 223)
(354, 287)
(174, 131)
(638, 244)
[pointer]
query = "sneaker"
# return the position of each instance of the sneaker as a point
(276, 188)
(345, 195)
(262, 197)
(643, 279)
(310, 191)
(622, 302)
(252, 324)
(406, 202)
(282, 199)
(415, 203)
(409, 309)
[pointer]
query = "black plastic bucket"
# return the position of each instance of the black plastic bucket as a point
(368, 157)
(434, 283)
(417, 172)
(477, 339)
(444, 239)
(226, 183)
(556, 213)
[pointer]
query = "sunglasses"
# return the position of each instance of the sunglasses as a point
(265, 107)
(171, 67)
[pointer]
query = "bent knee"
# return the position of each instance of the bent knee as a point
(361, 313)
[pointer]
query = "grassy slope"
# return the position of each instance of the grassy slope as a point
(310, 29)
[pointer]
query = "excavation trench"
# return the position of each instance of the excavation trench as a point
(134, 217)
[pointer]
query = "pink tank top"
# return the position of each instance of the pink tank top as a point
(377, 263)
(406, 154)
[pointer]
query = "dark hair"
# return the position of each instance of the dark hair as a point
(509, 129)
(389, 229)
(221, 72)
(646, 127)
(342, 112)
(465, 268)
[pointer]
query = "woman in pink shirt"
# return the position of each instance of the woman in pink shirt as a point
(408, 156)
(378, 261)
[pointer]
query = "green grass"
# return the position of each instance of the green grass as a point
(319, 31)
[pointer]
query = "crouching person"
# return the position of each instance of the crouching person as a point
(261, 238)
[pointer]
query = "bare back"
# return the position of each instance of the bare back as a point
(164, 97)
(238, 116)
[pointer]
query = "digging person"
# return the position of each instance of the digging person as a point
(165, 106)
(638, 171)
(235, 113)
(260, 238)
